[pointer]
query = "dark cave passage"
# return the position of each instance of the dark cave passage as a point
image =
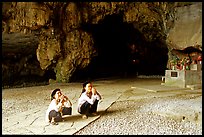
(122, 51)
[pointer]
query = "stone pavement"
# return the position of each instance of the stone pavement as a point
(32, 122)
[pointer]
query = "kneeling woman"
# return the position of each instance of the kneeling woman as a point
(59, 105)
(88, 100)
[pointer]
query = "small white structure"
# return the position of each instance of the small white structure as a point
(184, 78)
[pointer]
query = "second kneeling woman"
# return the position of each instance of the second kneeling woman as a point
(88, 100)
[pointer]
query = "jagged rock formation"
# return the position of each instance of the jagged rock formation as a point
(66, 36)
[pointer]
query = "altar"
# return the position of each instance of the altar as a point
(184, 74)
(183, 78)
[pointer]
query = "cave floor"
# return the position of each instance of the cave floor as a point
(23, 109)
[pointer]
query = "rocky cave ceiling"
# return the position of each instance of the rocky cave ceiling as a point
(66, 41)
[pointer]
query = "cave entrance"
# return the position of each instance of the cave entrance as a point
(114, 40)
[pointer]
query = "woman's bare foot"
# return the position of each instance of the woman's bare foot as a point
(84, 116)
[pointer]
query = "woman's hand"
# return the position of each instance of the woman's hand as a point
(94, 91)
(61, 98)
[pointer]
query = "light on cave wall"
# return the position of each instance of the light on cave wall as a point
(52, 32)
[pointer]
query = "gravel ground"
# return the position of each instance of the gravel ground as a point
(17, 100)
(134, 118)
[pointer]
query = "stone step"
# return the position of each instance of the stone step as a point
(193, 87)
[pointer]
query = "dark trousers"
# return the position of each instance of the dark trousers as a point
(58, 116)
(87, 108)
(66, 111)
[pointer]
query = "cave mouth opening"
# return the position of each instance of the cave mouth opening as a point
(114, 40)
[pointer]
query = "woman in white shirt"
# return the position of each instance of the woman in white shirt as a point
(59, 105)
(88, 100)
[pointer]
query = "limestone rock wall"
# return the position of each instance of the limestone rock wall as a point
(187, 29)
(24, 16)
(65, 47)
(186, 33)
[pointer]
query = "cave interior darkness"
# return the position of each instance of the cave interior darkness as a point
(112, 39)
